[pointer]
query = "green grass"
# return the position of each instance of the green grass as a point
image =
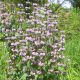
(3, 61)
(73, 52)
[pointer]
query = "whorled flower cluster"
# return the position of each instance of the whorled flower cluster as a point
(37, 50)
(4, 17)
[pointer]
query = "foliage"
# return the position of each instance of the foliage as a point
(75, 3)
(68, 21)
(73, 52)
(35, 49)
(71, 22)
(23, 1)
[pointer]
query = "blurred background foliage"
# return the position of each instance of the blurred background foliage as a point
(23, 1)
(75, 3)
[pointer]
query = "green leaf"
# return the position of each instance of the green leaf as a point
(23, 77)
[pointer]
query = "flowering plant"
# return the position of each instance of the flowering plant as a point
(37, 50)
